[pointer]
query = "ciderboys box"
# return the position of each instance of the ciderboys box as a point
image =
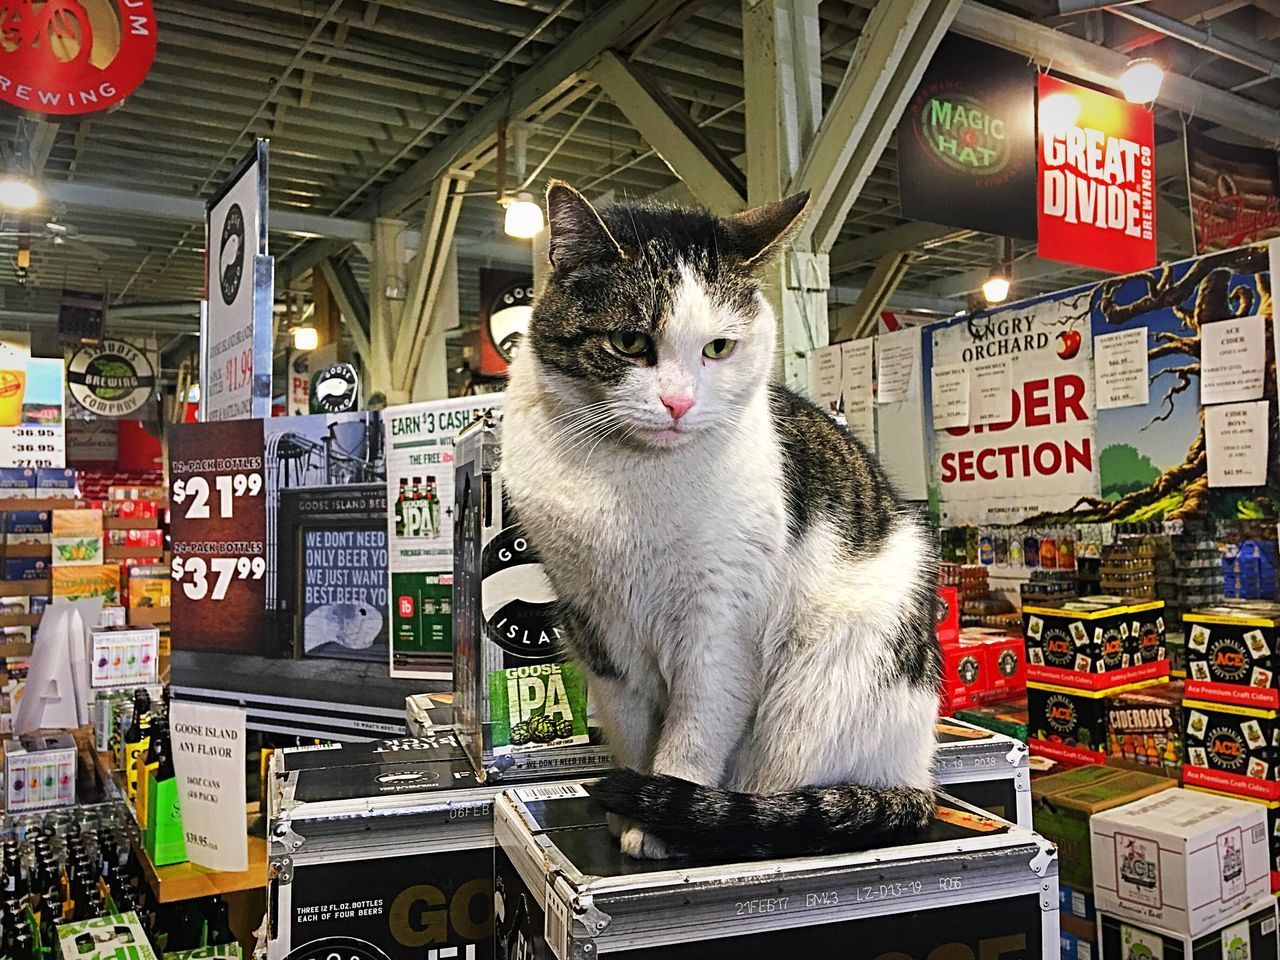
(1095, 642)
(521, 709)
(1233, 655)
(1233, 749)
(973, 886)
(1181, 860)
(1070, 724)
(381, 850)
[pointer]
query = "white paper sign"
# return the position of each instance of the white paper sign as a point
(824, 374)
(208, 758)
(32, 416)
(856, 389)
(991, 392)
(1120, 373)
(896, 355)
(1232, 357)
(1236, 444)
(950, 396)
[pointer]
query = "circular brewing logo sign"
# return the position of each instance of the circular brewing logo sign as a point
(516, 597)
(1113, 649)
(114, 379)
(72, 57)
(1008, 663)
(1060, 713)
(968, 670)
(509, 317)
(231, 254)
(959, 134)
(1228, 749)
(334, 389)
(1059, 650)
(347, 948)
(1228, 659)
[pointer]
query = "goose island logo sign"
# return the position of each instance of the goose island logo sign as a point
(72, 57)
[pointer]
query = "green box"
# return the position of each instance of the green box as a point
(1062, 804)
(163, 835)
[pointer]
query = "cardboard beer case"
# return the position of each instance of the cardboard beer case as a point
(1248, 936)
(971, 886)
(984, 768)
(1233, 654)
(1095, 643)
(1069, 724)
(521, 709)
(1232, 749)
(1181, 861)
(1273, 829)
(383, 847)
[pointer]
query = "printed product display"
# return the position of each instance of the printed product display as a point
(113, 937)
(1180, 860)
(1069, 724)
(76, 537)
(27, 527)
(985, 769)
(982, 666)
(1063, 803)
(1145, 728)
(1233, 654)
(1232, 749)
(1249, 936)
(973, 886)
(124, 657)
(1095, 642)
(39, 772)
(17, 482)
(388, 847)
(520, 709)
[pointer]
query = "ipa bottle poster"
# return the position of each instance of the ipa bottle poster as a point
(420, 500)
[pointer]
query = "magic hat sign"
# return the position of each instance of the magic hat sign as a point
(72, 57)
(966, 144)
(113, 379)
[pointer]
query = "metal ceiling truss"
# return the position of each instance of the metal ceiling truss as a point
(860, 319)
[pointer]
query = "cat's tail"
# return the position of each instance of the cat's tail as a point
(709, 821)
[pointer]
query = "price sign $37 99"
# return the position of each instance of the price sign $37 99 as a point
(217, 511)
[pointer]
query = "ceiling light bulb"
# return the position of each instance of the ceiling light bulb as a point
(524, 217)
(995, 288)
(1058, 112)
(17, 194)
(1141, 80)
(305, 338)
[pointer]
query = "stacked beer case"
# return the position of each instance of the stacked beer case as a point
(1080, 653)
(1232, 707)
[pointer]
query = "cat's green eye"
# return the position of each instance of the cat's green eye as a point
(719, 348)
(629, 343)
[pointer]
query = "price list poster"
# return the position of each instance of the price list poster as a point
(218, 520)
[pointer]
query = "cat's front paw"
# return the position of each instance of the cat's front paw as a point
(642, 845)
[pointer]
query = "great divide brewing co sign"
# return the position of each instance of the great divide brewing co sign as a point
(1097, 200)
(235, 365)
(71, 57)
(966, 143)
(113, 379)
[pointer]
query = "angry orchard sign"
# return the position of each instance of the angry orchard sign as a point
(71, 57)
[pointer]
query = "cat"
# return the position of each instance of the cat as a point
(752, 605)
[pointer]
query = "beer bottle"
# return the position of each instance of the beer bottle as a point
(136, 741)
(218, 931)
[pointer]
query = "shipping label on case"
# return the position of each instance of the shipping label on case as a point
(536, 706)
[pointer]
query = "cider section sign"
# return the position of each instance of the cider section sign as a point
(1096, 179)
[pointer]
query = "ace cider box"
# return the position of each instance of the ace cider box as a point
(1181, 861)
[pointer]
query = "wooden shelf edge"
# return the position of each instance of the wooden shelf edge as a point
(24, 588)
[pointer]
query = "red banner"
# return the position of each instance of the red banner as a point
(1096, 179)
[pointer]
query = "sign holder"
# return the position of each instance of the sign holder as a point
(251, 310)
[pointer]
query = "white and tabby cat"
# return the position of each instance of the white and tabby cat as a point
(753, 606)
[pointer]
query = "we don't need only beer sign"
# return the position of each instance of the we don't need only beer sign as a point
(1096, 188)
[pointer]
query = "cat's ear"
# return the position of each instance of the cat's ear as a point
(578, 235)
(755, 234)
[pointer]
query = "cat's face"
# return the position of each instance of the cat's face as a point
(652, 329)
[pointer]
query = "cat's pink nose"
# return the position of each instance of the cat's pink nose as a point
(677, 405)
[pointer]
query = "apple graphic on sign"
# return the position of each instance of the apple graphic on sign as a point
(1069, 344)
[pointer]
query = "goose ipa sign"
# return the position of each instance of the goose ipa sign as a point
(1097, 162)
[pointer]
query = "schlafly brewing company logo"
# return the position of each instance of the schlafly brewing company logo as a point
(962, 134)
(72, 57)
(516, 597)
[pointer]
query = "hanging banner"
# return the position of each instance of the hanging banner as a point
(966, 142)
(420, 529)
(1096, 198)
(208, 760)
(236, 330)
(1234, 190)
(112, 379)
(32, 425)
(1042, 457)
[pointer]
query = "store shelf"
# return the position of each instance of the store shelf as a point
(15, 651)
(20, 619)
(28, 550)
(43, 503)
(187, 881)
(24, 588)
(134, 553)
